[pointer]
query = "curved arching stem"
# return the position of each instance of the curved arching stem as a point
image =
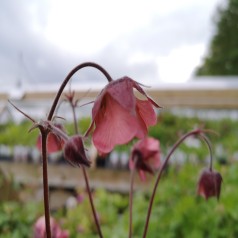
(45, 133)
(175, 146)
(206, 140)
(68, 77)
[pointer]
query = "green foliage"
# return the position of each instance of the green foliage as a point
(168, 129)
(80, 220)
(84, 124)
(8, 188)
(177, 210)
(16, 219)
(222, 58)
(12, 134)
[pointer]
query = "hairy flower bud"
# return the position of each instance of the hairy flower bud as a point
(209, 184)
(74, 151)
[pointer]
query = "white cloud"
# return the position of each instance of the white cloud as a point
(179, 64)
(153, 39)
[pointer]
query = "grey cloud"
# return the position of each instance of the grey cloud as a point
(115, 58)
(43, 62)
(157, 39)
(187, 26)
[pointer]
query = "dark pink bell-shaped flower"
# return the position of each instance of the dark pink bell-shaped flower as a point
(74, 151)
(54, 142)
(118, 116)
(145, 156)
(56, 231)
(209, 184)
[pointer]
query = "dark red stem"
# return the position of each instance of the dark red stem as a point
(91, 202)
(131, 198)
(71, 73)
(206, 140)
(45, 183)
(175, 146)
(73, 105)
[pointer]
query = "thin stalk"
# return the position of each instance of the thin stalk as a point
(175, 146)
(86, 178)
(45, 184)
(44, 133)
(209, 148)
(91, 202)
(44, 136)
(131, 198)
(75, 118)
(68, 77)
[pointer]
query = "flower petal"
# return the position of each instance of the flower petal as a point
(54, 143)
(137, 86)
(146, 112)
(122, 91)
(145, 156)
(146, 117)
(114, 125)
(142, 175)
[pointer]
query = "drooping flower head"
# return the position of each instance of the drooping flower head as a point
(55, 142)
(209, 184)
(145, 156)
(74, 151)
(118, 116)
(56, 231)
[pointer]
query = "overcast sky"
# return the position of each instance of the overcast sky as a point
(151, 41)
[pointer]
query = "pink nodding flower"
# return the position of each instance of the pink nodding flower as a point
(209, 184)
(119, 116)
(145, 156)
(56, 231)
(54, 142)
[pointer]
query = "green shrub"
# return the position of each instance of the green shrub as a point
(177, 210)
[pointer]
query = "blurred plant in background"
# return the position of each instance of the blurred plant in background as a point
(118, 118)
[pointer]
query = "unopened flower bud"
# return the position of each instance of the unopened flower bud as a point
(209, 184)
(74, 151)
